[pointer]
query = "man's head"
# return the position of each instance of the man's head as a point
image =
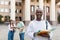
(17, 20)
(11, 21)
(39, 13)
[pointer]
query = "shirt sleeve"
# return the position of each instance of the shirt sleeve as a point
(29, 31)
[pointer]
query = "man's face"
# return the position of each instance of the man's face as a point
(12, 22)
(17, 21)
(39, 13)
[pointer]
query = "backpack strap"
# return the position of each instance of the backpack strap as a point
(46, 25)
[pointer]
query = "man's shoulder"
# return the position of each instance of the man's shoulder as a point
(32, 21)
(35, 21)
(45, 20)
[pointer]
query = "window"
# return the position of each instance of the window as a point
(37, 7)
(6, 2)
(32, 0)
(9, 10)
(20, 18)
(59, 6)
(6, 10)
(32, 8)
(23, 1)
(20, 11)
(47, 1)
(16, 11)
(37, 0)
(32, 17)
(47, 9)
(19, 3)
(16, 3)
(1, 10)
(1, 2)
(9, 2)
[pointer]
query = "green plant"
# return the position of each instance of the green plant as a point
(1, 18)
(7, 18)
(59, 19)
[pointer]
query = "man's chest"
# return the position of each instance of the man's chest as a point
(39, 26)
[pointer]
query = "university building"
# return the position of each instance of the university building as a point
(25, 9)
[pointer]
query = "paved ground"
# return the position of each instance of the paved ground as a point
(4, 33)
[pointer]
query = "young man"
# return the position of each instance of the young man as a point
(20, 26)
(37, 26)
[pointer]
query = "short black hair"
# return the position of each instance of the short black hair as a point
(39, 11)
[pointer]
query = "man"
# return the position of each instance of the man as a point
(38, 25)
(20, 26)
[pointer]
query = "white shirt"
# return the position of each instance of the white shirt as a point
(21, 25)
(35, 26)
(9, 27)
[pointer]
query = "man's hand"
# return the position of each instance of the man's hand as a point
(43, 33)
(34, 34)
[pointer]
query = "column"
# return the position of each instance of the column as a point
(27, 11)
(41, 5)
(12, 14)
(52, 12)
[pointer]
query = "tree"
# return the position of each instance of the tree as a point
(59, 19)
(1, 18)
(7, 18)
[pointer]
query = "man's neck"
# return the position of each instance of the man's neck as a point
(38, 19)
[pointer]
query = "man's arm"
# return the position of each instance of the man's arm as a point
(29, 31)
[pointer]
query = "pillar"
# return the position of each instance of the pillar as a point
(12, 14)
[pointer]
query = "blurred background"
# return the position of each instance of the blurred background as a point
(25, 11)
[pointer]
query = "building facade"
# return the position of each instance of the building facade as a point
(25, 9)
